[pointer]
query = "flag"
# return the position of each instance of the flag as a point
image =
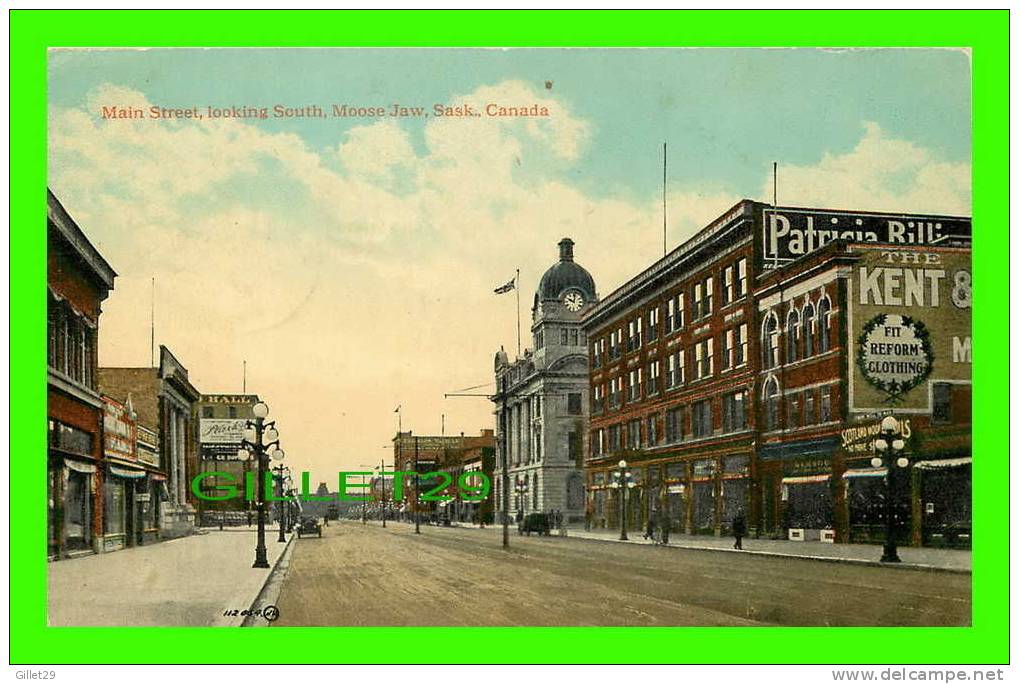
(507, 287)
(397, 409)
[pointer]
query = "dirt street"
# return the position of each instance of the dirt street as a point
(367, 575)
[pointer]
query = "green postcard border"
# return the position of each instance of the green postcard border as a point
(985, 33)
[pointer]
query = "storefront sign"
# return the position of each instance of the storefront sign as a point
(793, 233)
(909, 322)
(119, 432)
(860, 439)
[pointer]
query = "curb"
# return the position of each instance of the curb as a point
(270, 592)
(252, 601)
(775, 554)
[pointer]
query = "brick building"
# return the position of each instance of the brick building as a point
(541, 403)
(164, 400)
(454, 455)
(78, 280)
(726, 375)
(222, 419)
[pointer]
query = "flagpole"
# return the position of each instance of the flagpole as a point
(517, 288)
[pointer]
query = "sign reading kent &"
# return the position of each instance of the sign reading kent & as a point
(909, 325)
(791, 233)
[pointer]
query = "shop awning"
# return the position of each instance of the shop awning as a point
(804, 479)
(944, 463)
(79, 466)
(127, 472)
(865, 472)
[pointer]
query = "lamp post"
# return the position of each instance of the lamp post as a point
(382, 482)
(279, 477)
(417, 495)
(521, 489)
(890, 445)
(259, 437)
(622, 480)
(364, 504)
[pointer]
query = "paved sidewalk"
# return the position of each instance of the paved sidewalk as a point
(188, 581)
(939, 559)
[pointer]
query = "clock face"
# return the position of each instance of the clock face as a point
(573, 301)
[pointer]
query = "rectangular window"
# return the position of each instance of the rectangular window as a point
(563, 337)
(573, 403)
(741, 278)
(652, 323)
(702, 418)
(575, 447)
(809, 410)
(597, 398)
(698, 299)
(595, 355)
(704, 358)
(615, 443)
(942, 409)
(740, 344)
(674, 425)
(634, 385)
(792, 419)
(734, 412)
(633, 435)
(652, 430)
(727, 348)
(728, 285)
(680, 310)
(681, 366)
(573, 338)
(653, 373)
(825, 404)
(614, 384)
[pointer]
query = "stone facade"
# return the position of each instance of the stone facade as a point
(541, 402)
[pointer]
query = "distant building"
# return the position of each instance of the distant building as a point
(450, 454)
(541, 400)
(222, 419)
(164, 398)
(78, 280)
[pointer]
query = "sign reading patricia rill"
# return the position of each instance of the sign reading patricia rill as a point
(792, 233)
(910, 324)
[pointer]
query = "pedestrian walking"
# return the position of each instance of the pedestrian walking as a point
(739, 528)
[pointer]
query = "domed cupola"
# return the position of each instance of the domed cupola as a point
(565, 276)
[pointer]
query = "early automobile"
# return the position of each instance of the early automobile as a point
(309, 526)
(535, 522)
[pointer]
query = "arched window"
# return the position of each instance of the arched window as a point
(808, 331)
(792, 336)
(769, 340)
(824, 326)
(771, 398)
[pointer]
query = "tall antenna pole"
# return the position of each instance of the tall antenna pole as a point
(443, 424)
(152, 327)
(244, 381)
(774, 184)
(517, 288)
(665, 222)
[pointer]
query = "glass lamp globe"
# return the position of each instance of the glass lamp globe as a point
(898, 445)
(243, 455)
(249, 434)
(622, 464)
(889, 424)
(876, 462)
(902, 462)
(271, 435)
(277, 455)
(261, 410)
(880, 444)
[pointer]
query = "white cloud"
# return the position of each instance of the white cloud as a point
(880, 174)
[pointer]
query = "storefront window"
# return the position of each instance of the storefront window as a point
(78, 510)
(808, 505)
(114, 511)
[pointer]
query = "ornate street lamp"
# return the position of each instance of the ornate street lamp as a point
(890, 444)
(622, 480)
(281, 479)
(260, 439)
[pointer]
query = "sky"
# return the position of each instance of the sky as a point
(351, 261)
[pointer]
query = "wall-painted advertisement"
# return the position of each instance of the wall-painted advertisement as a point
(790, 233)
(909, 326)
(221, 437)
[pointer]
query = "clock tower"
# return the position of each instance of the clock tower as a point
(541, 401)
